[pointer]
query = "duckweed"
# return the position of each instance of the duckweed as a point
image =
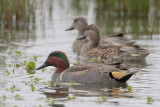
(6, 72)
(18, 65)
(72, 83)
(102, 100)
(71, 98)
(129, 88)
(4, 97)
(10, 65)
(78, 62)
(35, 58)
(32, 88)
(18, 52)
(25, 62)
(149, 100)
(96, 59)
(31, 67)
(17, 97)
(43, 69)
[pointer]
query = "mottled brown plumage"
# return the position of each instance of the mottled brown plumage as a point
(80, 24)
(109, 52)
(88, 73)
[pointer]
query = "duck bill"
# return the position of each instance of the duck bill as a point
(71, 28)
(81, 37)
(42, 66)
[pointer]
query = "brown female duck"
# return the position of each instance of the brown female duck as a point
(80, 24)
(111, 53)
(88, 73)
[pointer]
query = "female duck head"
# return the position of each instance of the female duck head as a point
(92, 34)
(80, 24)
(57, 59)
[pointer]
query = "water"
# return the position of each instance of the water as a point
(44, 31)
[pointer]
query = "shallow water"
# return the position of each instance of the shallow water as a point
(47, 33)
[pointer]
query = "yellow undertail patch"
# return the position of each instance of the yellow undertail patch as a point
(118, 75)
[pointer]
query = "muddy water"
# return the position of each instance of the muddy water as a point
(47, 33)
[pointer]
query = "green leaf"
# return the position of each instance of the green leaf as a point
(35, 58)
(32, 87)
(72, 83)
(43, 69)
(149, 100)
(18, 52)
(18, 65)
(31, 67)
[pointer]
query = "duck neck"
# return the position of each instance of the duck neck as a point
(60, 70)
(81, 32)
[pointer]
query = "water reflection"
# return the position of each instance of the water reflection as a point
(36, 27)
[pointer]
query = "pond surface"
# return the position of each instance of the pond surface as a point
(44, 31)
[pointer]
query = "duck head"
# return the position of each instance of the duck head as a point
(57, 59)
(92, 34)
(80, 24)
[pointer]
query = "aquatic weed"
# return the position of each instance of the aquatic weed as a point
(149, 100)
(96, 59)
(31, 67)
(102, 100)
(129, 88)
(71, 98)
(72, 83)
(18, 52)
(32, 87)
(35, 58)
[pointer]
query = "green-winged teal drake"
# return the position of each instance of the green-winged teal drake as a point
(88, 73)
(112, 53)
(80, 24)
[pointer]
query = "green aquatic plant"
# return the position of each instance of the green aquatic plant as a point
(96, 59)
(18, 65)
(129, 88)
(149, 100)
(31, 67)
(12, 89)
(6, 72)
(32, 87)
(25, 62)
(4, 97)
(17, 97)
(18, 52)
(35, 58)
(43, 69)
(71, 98)
(72, 83)
(101, 100)
(78, 62)
(10, 65)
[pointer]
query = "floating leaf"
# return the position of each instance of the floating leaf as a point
(10, 65)
(43, 69)
(71, 98)
(32, 87)
(96, 59)
(25, 62)
(102, 100)
(149, 100)
(31, 67)
(18, 65)
(35, 58)
(72, 83)
(18, 52)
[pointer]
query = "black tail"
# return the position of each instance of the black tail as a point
(125, 78)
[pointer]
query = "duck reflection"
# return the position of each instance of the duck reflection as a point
(88, 90)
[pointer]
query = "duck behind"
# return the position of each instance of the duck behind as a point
(110, 52)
